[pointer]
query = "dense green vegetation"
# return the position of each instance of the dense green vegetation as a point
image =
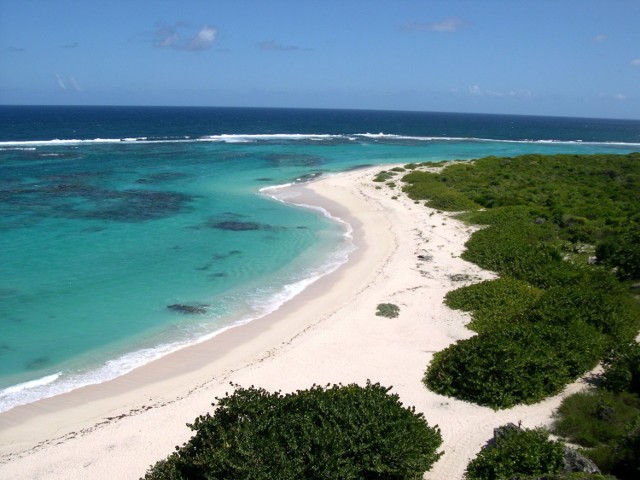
(622, 369)
(606, 421)
(517, 453)
(338, 432)
(565, 476)
(552, 315)
(594, 418)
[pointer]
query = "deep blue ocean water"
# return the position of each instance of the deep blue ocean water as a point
(127, 232)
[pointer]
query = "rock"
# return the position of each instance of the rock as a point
(188, 309)
(574, 461)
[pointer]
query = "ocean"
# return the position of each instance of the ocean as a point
(130, 232)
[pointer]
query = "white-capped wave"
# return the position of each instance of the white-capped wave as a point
(246, 138)
(64, 382)
(31, 144)
(20, 387)
(275, 137)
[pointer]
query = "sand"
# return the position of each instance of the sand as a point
(327, 334)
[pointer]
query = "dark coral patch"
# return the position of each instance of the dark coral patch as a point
(188, 309)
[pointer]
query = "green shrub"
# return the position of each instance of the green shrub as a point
(523, 364)
(494, 304)
(427, 186)
(600, 304)
(621, 457)
(621, 250)
(567, 476)
(595, 418)
(622, 369)
(383, 176)
(520, 251)
(517, 452)
(388, 310)
(627, 454)
(341, 432)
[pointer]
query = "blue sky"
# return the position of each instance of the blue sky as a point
(539, 57)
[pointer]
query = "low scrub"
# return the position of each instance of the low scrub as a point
(338, 432)
(428, 186)
(517, 453)
(595, 418)
(494, 304)
(523, 364)
(606, 421)
(622, 369)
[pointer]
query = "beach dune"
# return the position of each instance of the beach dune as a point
(406, 254)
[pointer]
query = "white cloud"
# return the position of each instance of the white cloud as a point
(447, 26)
(620, 96)
(599, 38)
(179, 38)
(60, 82)
(477, 91)
(66, 83)
(203, 39)
(635, 62)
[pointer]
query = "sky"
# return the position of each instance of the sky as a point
(576, 58)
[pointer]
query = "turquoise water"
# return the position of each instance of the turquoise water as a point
(114, 225)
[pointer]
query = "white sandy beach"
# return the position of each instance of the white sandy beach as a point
(328, 334)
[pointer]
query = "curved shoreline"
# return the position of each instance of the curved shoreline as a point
(66, 381)
(327, 334)
(170, 378)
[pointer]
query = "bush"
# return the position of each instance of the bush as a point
(627, 453)
(596, 305)
(388, 310)
(567, 476)
(523, 364)
(341, 432)
(428, 186)
(494, 304)
(500, 216)
(622, 369)
(383, 176)
(595, 418)
(519, 251)
(622, 252)
(622, 457)
(517, 452)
